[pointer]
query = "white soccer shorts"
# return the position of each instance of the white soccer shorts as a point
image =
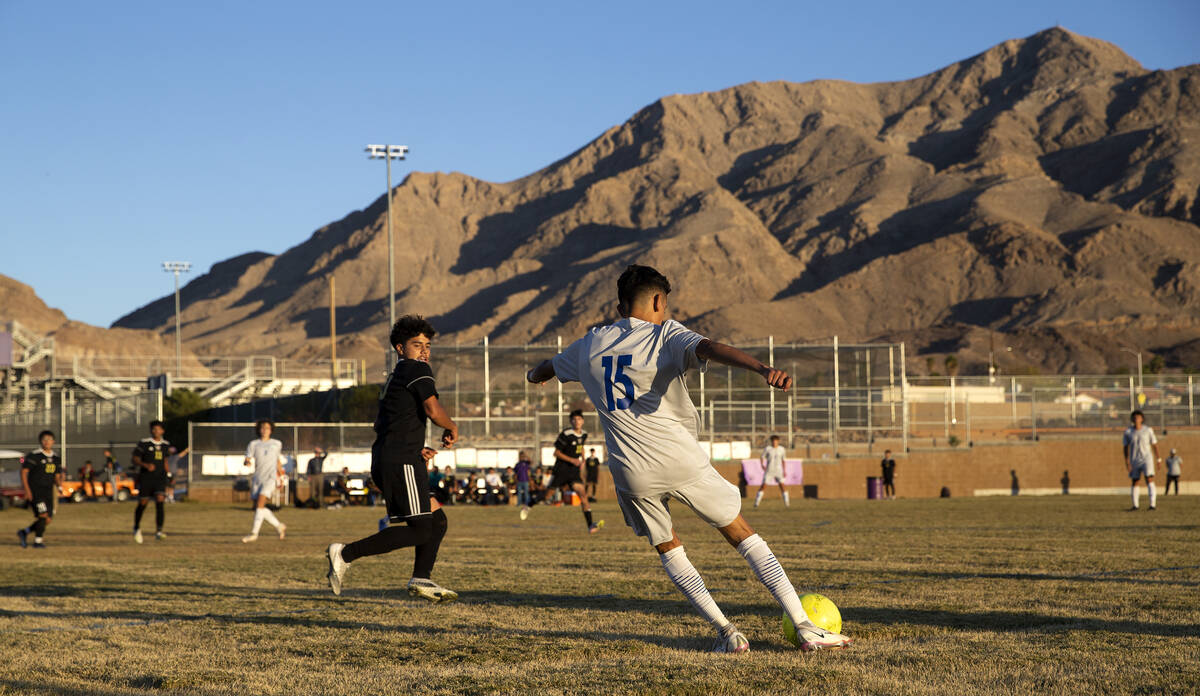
(1140, 470)
(713, 499)
(773, 475)
(258, 488)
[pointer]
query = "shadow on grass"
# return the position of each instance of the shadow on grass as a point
(1108, 576)
(1006, 621)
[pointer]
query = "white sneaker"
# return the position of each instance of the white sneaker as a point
(735, 642)
(249, 538)
(337, 567)
(282, 530)
(812, 638)
(524, 513)
(137, 535)
(421, 587)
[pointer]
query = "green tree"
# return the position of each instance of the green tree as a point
(184, 402)
(1155, 365)
(951, 365)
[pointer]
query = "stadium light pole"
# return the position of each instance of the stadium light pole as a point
(1137, 353)
(387, 153)
(177, 267)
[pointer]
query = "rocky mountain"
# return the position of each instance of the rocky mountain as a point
(1043, 195)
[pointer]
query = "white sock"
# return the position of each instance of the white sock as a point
(758, 497)
(1153, 493)
(37, 540)
(258, 520)
(689, 582)
(787, 501)
(770, 573)
(1133, 493)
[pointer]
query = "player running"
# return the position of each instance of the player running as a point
(150, 457)
(633, 372)
(265, 454)
(1141, 452)
(568, 460)
(774, 467)
(42, 478)
(398, 457)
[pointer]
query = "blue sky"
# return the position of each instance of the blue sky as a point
(136, 132)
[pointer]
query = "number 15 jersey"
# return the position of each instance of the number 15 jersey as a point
(633, 372)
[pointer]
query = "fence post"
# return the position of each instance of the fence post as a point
(1191, 392)
(487, 389)
(1132, 401)
(837, 400)
(62, 427)
(190, 443)
(771, 391)
(1073, 421)
(1033, 412)
(903, 400)
(560, 401)
(702, 414)
(870, 429)
(1013, 394)
(967, 417)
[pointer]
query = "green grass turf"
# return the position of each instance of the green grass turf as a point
(1026, 595)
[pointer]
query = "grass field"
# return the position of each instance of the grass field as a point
(1026, 595)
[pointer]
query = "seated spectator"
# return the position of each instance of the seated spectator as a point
(88, 476)
(451, 486)
(494, 485)
(480, 486)
(341, 486)
(437, 484)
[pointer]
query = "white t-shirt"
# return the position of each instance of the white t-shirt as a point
(633, 372)
(267, 456)
(774, 457)
(1174, 465)
(1138, 440)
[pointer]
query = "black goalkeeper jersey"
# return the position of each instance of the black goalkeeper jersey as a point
(400, 425)
(43, 471)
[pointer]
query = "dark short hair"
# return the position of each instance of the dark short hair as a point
(635, 282)
(158, 423)
(411, 325)
(1138, 412)
(259, 424)
(576, 412)
(774, 437)
(44, 433)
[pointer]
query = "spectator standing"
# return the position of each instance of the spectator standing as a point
(316, 477)
(112, 473)
(522, 470)
(1066, 483)
(451, 485)
(1174, 471)
(888, 467)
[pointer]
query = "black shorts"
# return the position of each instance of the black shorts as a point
(593, 475)
(564, 476)
(42, 503)
(405, 489)
(150, 486)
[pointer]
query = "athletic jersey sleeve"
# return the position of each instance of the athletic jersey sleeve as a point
(563, 443)
(566, 363)
(250, 450)
(141, 452)
(1125, 439)
(421, 383)
(1153, 439)
(679, 344)
(27, 462)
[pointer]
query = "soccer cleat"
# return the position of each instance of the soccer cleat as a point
(21, 538)
(812, 638)
(249, 538)
(1133, 509)
(282, 530)
(1152, 508)
(524, 513)
(422, 587)
(159, 536)
(39, 544)
(734, 642)
(337, 567)
(137, 535)
(596, 527)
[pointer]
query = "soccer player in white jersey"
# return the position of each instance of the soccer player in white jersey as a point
(265, 454)
(633, 372)
(774, 468)
(1141, 452)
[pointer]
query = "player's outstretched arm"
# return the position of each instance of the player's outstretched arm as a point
(437, 414)
(541, 373)
(728, 355)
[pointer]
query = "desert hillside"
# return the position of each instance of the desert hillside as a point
(1044, 195)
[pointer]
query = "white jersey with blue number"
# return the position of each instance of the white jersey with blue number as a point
(633, 373)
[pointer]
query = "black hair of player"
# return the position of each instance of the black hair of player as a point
(1136, 414)
(44, 433)
(577, 412)
(258, 426)
(634, 282)
(409, 326)
(158, 423)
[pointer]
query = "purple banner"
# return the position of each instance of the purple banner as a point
(793, 472)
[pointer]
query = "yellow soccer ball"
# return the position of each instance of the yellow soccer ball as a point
(821, 610)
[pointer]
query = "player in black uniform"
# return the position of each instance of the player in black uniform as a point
(398, 459)
(150, 459)
(568, 460)
(592, 479)
(42, 477)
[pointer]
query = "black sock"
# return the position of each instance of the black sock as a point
(137, 516)
(39, 527)
(160, 512)
(587, 515)
(414, 533)
(427, 553)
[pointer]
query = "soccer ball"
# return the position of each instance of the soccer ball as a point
(823, 612)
